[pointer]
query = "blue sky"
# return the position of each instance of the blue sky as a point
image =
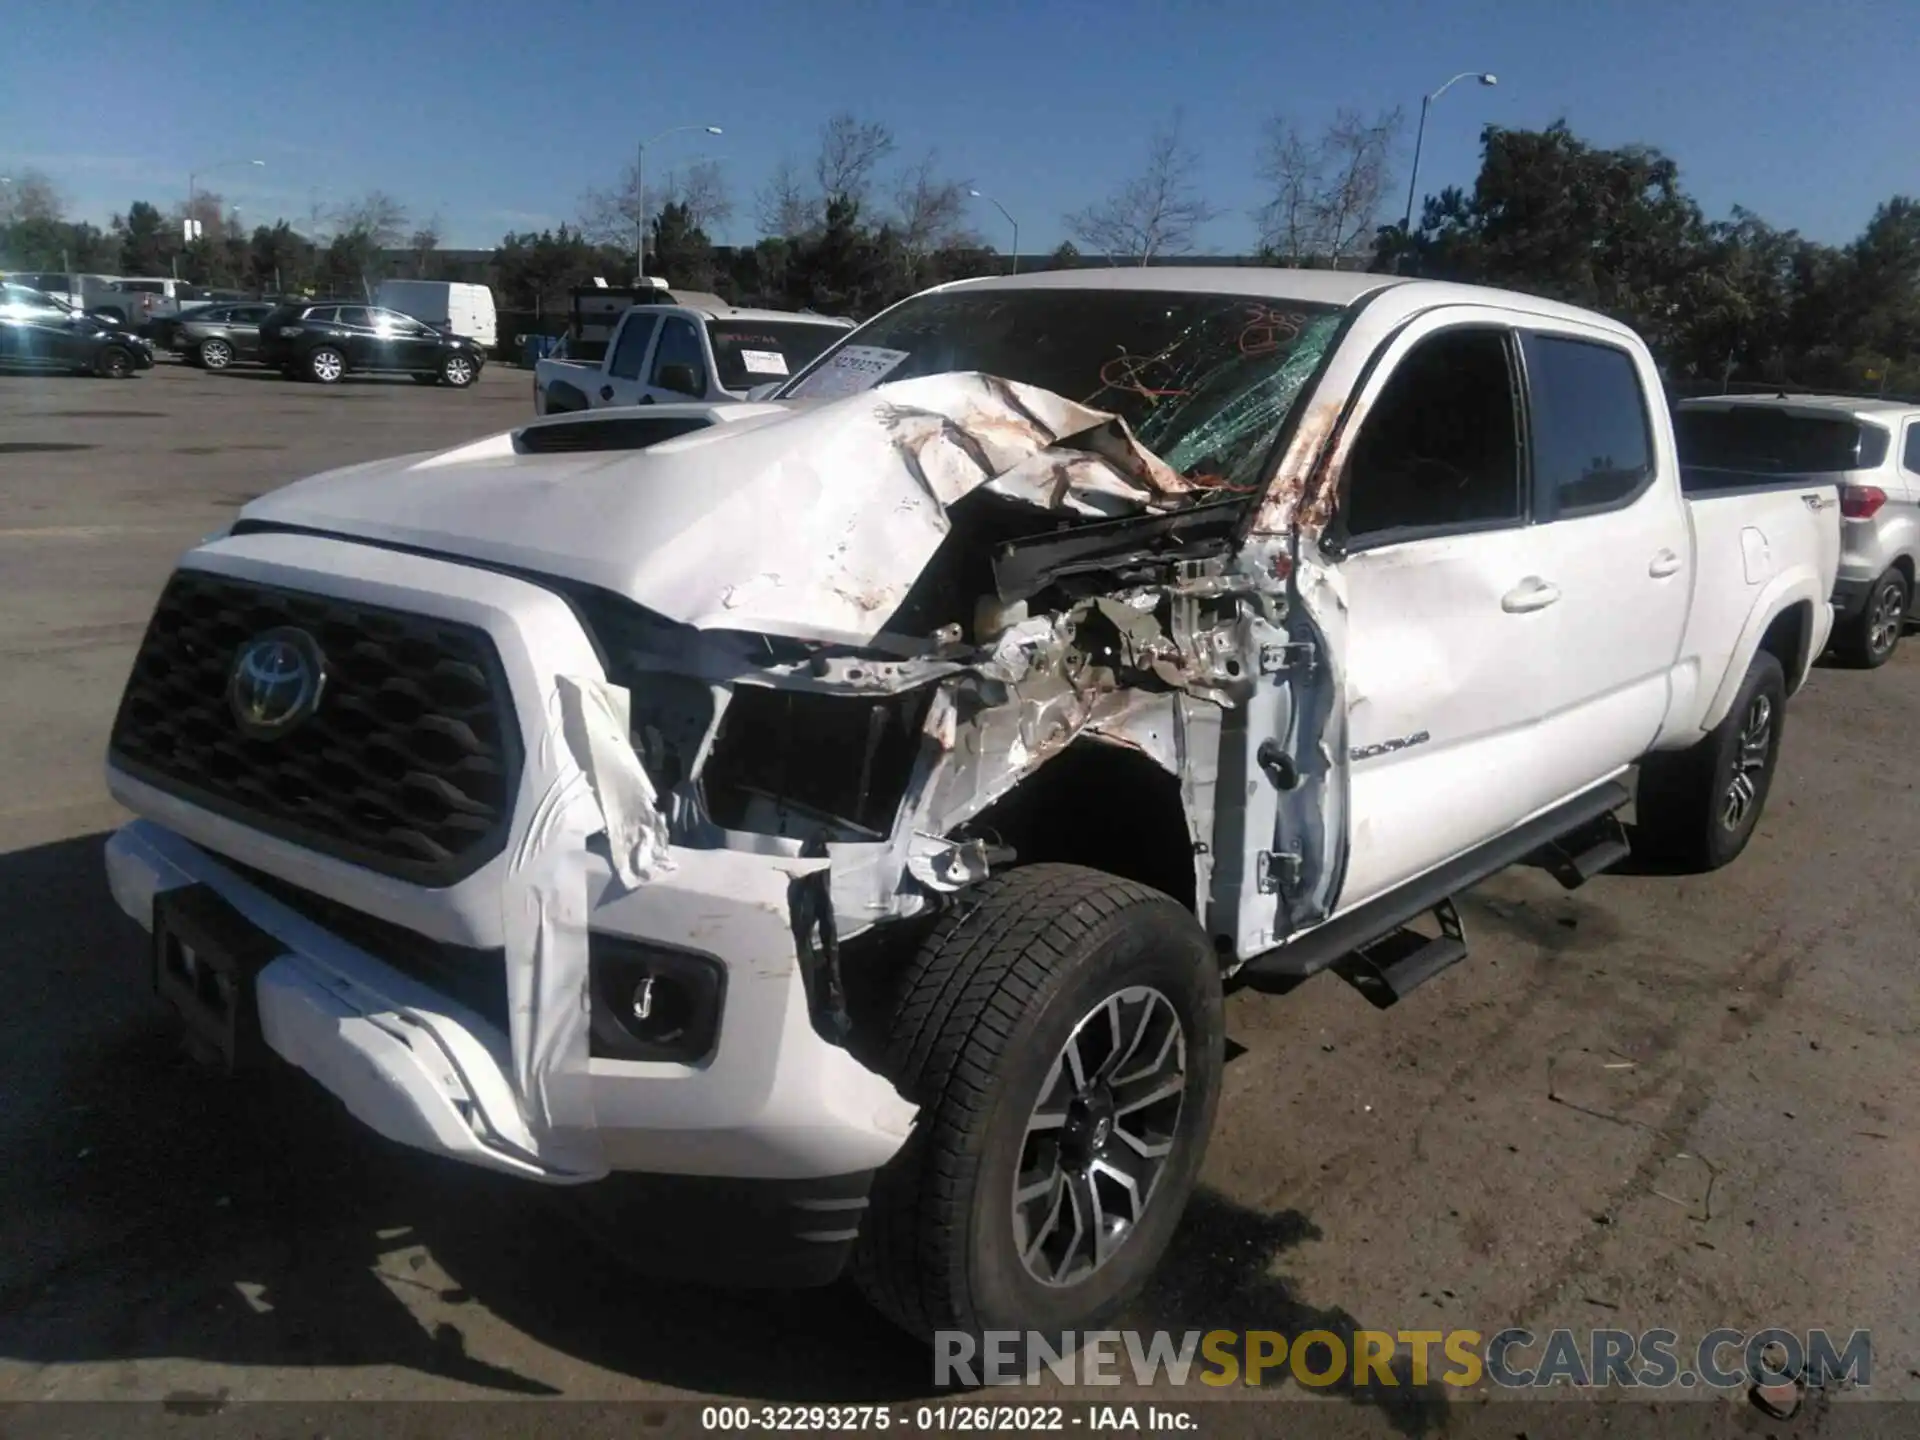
(499, 116)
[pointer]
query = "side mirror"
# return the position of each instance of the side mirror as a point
(681, 379)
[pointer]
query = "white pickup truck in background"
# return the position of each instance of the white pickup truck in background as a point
(664, 353)
(820, 835)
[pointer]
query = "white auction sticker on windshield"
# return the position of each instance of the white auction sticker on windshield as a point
(764, 362)
(851, 369)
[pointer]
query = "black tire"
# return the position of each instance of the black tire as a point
(1868, 640)
(1686, 802)
(214, 353)
(983, 1010)
(459, 371)
(326, 364)
(115, 363)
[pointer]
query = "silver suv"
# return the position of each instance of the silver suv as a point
(1871, 450)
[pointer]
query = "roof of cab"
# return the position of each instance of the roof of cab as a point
(1314, 287)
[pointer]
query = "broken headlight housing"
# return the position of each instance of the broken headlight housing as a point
(794, 763)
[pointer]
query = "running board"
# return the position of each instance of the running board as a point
(1286, 965)
(1388, 969)
(1576, 858)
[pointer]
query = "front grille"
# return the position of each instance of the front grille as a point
(407, 766)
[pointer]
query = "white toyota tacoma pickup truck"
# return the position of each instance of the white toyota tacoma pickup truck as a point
(821, 836)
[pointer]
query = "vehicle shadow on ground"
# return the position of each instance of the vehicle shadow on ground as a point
(151, 1210)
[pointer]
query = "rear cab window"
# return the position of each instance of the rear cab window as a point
(747, 353)
(1592, 439)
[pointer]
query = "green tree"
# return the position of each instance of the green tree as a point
(680, 250)
(147, 241)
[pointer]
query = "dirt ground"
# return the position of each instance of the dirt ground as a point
(1650, 1102)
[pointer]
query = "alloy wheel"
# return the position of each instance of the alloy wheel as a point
(216, 354)
(1886, 617)
(1749, 763)
(1099, 1136)
(327, 366)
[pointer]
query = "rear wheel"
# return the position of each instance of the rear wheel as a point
(215, 354)
(1869, 638)
(1697, 808)
(458, 371)
(115, 363)
(326, 365)
(1062, 1034)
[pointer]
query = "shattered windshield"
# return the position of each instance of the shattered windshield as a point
(1206, 382)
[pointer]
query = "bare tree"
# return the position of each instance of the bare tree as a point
(702, 188)
(850, 151)
(375, 216)
(930, 210)
(1157, 212)
(612, 216)
(423, 242)
(1326, 193)
(31, 195)
(782, 206)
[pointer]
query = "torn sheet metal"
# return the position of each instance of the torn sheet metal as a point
(545, 901)
(812, 524)
(594, 718)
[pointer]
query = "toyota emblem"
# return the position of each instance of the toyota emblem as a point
(276, 682)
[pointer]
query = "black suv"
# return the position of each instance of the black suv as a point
(326, 340)
(40, 333)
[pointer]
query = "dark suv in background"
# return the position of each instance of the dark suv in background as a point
(326, 340)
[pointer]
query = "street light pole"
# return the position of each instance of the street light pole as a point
(1014, 254)
(1426, 102)
(193, 176)
(640, 196)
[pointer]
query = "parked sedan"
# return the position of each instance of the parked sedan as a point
(39, 332)
(218, 335)
(327, 341)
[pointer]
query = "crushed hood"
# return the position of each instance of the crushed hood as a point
(810, 522)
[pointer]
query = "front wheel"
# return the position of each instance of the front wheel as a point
(1869, 638)
(115, 363)
(1697, 808)
(458, 371)
(1062, 1032)
(326, 365)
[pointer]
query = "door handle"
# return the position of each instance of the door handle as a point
(606, 392)
(1663, 564)
(1532, 593)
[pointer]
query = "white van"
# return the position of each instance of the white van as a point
(464, 309)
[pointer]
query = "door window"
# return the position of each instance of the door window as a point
(680, 347)
(1910, 457)
(355, 315)
(1439, 449)
(1592, 446)
(630, 352)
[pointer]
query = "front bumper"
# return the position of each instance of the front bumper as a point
(775, 1101)
(520, 1093)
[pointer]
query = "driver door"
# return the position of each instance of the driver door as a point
(679, 368)
(623, 382)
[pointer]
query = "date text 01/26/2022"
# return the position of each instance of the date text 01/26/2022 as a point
(941, 1419)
